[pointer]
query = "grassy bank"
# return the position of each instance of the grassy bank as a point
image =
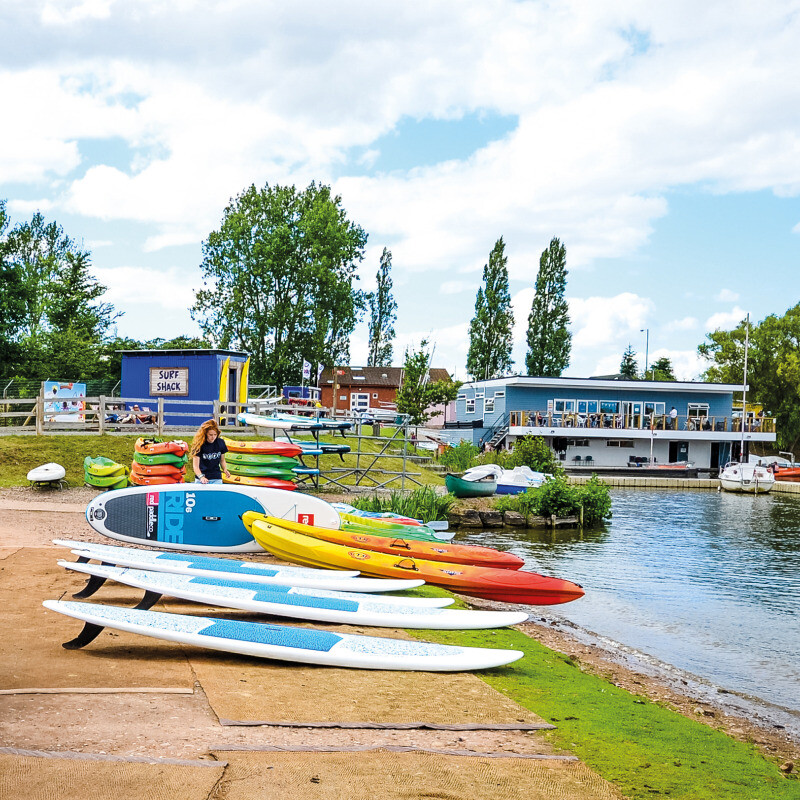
(20, 454)
(645, 749)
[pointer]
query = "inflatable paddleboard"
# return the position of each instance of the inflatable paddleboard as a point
(248, 571)
(199, 517)
(304, 645)
(299, 604)
(50, 472)
(255, 480)
(287, 449)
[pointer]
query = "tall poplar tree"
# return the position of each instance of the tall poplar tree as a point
(491, 328)
(549, 340)
(382, 315)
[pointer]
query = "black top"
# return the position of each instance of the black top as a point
(210, 454)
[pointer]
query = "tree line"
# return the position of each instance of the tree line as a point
(280, 281)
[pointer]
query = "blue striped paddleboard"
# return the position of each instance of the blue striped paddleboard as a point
(248, 571)
(285, 643)
(199, 517)
(349, 608)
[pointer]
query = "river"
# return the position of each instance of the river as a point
(699, 584)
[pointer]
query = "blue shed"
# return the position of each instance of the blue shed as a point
(181, 375)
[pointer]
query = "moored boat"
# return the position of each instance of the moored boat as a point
(462, 487)
(747, 478)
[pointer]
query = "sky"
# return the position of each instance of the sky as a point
(660, 142)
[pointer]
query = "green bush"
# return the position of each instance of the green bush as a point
(556, 497)
(534, 452)
(596, 501)
(460, 457)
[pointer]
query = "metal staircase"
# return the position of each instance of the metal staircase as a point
(497, 432)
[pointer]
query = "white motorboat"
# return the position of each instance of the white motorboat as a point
(509, 481)
(751, 478)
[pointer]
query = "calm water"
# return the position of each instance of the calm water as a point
(704, 581)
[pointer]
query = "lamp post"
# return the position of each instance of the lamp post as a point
(646, 331)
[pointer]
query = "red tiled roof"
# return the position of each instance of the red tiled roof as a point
(374, 376)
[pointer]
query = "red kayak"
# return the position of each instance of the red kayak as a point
(166, 470)
(153, 447)
(260, 480)
(787, 474)
(264, 448)
(153, 480)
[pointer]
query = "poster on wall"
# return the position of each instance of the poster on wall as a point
(64, 402)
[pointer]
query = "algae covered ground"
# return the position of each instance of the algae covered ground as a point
(645, 749)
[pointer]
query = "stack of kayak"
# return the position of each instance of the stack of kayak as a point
(394, 551)
(273, 465)
(104, 473)
(156, 461)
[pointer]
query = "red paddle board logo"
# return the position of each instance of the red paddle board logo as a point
(152, 515)
(305, 519)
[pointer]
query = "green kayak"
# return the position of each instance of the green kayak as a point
(456, 485)
(100, 466)
(260, 460)
(161, 458)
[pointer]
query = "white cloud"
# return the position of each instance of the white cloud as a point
(163, 290)
(727, 296)
(725, 320)
(683, 324)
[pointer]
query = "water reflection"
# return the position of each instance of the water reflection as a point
(706, 581)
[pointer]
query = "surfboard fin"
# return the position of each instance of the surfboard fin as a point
(148, 601)
(89, 633)
(92, 585)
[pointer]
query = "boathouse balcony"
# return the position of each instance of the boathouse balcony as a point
(542, 423)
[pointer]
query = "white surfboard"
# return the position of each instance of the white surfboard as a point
(203, 518)
(285, 643)
(337, 607)
(249, 571)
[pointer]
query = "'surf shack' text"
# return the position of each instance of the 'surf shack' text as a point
(169, 381)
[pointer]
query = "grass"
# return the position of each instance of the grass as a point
(645, 749)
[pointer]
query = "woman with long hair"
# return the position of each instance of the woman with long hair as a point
(208, 453)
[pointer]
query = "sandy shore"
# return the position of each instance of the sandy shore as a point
(186, 726)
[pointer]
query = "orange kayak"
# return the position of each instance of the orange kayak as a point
(152, 447)
(433, 551)
(167, 470)
(260, 480)
(153, 480)
(264, 448)
(505, 585)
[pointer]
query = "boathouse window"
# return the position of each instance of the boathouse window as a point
(479, 394)
(499, 394)
(471, 405)
(697, 410)
(564, 406)
(587, 406)
(659, 409)
(488, 405)
(609, 407)
(577, 442)
(619, 443)
(461, 397)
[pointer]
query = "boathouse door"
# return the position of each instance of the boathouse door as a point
(678, 451)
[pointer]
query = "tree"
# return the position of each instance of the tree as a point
(661, 370)
(628, 366)
(382, 315)
(491, 328)
(60, 323)
(278, 280)
(773, 368)
(549, 340)
(12, 305)
(417, 393)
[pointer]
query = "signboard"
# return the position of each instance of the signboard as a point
(64, 402)
(169, 381)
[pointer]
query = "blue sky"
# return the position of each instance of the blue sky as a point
(661, 144)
